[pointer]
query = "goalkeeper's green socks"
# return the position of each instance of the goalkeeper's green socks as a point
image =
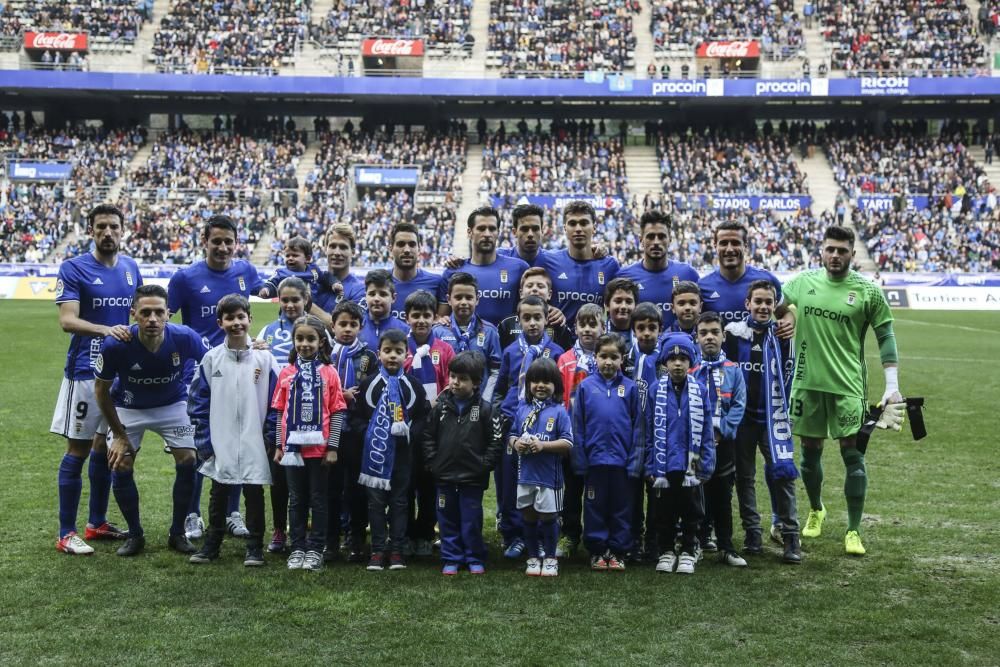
(855, 485)
(811, 468)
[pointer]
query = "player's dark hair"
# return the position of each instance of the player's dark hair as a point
(484, 212)
(420, 301)
(544, 370)
(300, 244)
(653, 217)
(590, 313)
(762, 284)
(647, 311)
(685, 287)
(352, 309)
(730, 226)
(380, 278)
(232, 304)
(404, 228)
(394, 336)
(621, 285)
(612, 339)
(462, 278)
(147, 290)
(105, 209)
(526, 211)
(220, 222)
(469, 362)
(323, 353)
(532, 300)
(299, 285)
(531, 273)
(708, 317)
(839, 233)
(345, 230)
(578, 206)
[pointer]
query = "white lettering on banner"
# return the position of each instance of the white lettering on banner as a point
(392, 47)
(876, 204)
(953, 298)
(779, 204)
(112, 302)
(60, 41)
(731, 203)
(885, 85)
(21, 171)
(778, 87)
(679, 87)
(728, 49)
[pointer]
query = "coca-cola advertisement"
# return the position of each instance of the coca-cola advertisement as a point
(389, 47)
(55, 41)
(732, 49)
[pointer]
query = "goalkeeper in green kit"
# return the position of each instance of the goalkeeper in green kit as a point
(835, 306)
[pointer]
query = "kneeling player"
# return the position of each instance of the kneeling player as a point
(149, 395)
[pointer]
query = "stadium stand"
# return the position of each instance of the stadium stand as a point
(533, 38)
(918, 37)
(679, 25)
(443, 24)
(230, 36)
(110, 24)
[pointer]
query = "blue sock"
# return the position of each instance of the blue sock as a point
(183, 488)
(70, 488)
(233, 503)
(531, 538)
(127, 497)
(550, 537)
(100, 488)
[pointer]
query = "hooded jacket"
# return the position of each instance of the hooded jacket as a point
(462, 448)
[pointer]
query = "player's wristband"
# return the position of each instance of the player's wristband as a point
(891, 379)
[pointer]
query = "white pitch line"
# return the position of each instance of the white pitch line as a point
(947, 326)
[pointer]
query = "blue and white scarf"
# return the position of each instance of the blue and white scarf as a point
(712, 370)
(585, 361)
(343, 360)
(463, 339)
(691, 402)
(304, 414)
(529, 353)
(422, 365)
(388, 422)
(773, 394)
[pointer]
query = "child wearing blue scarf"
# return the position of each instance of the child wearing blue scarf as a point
(466, 331)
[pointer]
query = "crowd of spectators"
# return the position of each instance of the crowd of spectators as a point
(774, 23)
(561, 38)
(933, 239)
(716, 163)
(230, 36)
(34, 217)
(438, 22)
(917, 37)
(115, 20)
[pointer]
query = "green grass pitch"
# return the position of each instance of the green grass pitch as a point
(927, 593)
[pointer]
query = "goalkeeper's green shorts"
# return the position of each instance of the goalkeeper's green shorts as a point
(818, 414)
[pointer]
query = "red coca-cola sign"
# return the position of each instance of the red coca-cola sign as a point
(56, 41)
(392, 47)
(737, 49)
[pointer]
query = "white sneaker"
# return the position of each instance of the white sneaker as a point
(313, 561)
(534, 568)
(775, 534)
(667, 562)
(194, 527)
(74, 545)
(236, 525)
(686, 563)
(550, 567)
(296, 559)
(733, 559)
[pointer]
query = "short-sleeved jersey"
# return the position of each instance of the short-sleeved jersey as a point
(576, 282)
(552, 423)
(144, 379)
(499, 285)
(195, 292)
(423, 280)
(832, 319)
(658, 286)
(104, 295)
(514, 254)
(729, 299)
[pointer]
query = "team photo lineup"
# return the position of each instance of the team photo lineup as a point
(612, 409)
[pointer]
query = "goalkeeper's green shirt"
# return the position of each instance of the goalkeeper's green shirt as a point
(830, 325)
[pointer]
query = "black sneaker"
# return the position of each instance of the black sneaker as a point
(752, 544)
(376, 563)
(133, 546)
(254, 556)
(396, 561)
(793, 551)
(357, 557)
(181, 543)
(330, 554)
(206, 554)
(709, 545)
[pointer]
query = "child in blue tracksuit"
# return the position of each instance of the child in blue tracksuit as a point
(531, 344)
(681, 453)
(727, 395)
(608, 426)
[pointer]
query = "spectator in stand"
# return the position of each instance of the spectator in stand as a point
(443, 22)
(118, 20)
(932, 239)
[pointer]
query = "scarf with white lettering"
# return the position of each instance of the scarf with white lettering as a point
(388, 420)
(422, 365)
(304, 414)
(586, 362)
(343, 360)
(775, 400)
(690, 402)
(529, 353)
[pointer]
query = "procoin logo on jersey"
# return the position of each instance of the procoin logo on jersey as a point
(550, 424)
(503, 276)
(243, 284)
(176, 358)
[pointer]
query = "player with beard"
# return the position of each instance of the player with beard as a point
(94, 294)
(498, 276)
(407, 276)
(527, 222)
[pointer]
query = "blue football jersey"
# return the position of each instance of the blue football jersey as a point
(327, 299)
(144, 379)
(551, 423)
(727, 298)
(195, 292)
(105, 297)
(499, 286)
(658, 286)
(576, 282)
(423, 280)
(513, 253)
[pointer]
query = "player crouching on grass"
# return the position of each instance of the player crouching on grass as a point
(229, 403)
(150, 395)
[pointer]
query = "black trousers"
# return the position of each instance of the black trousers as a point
(351, 447)
(279, 497)
(677, 503)
(218, 502)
